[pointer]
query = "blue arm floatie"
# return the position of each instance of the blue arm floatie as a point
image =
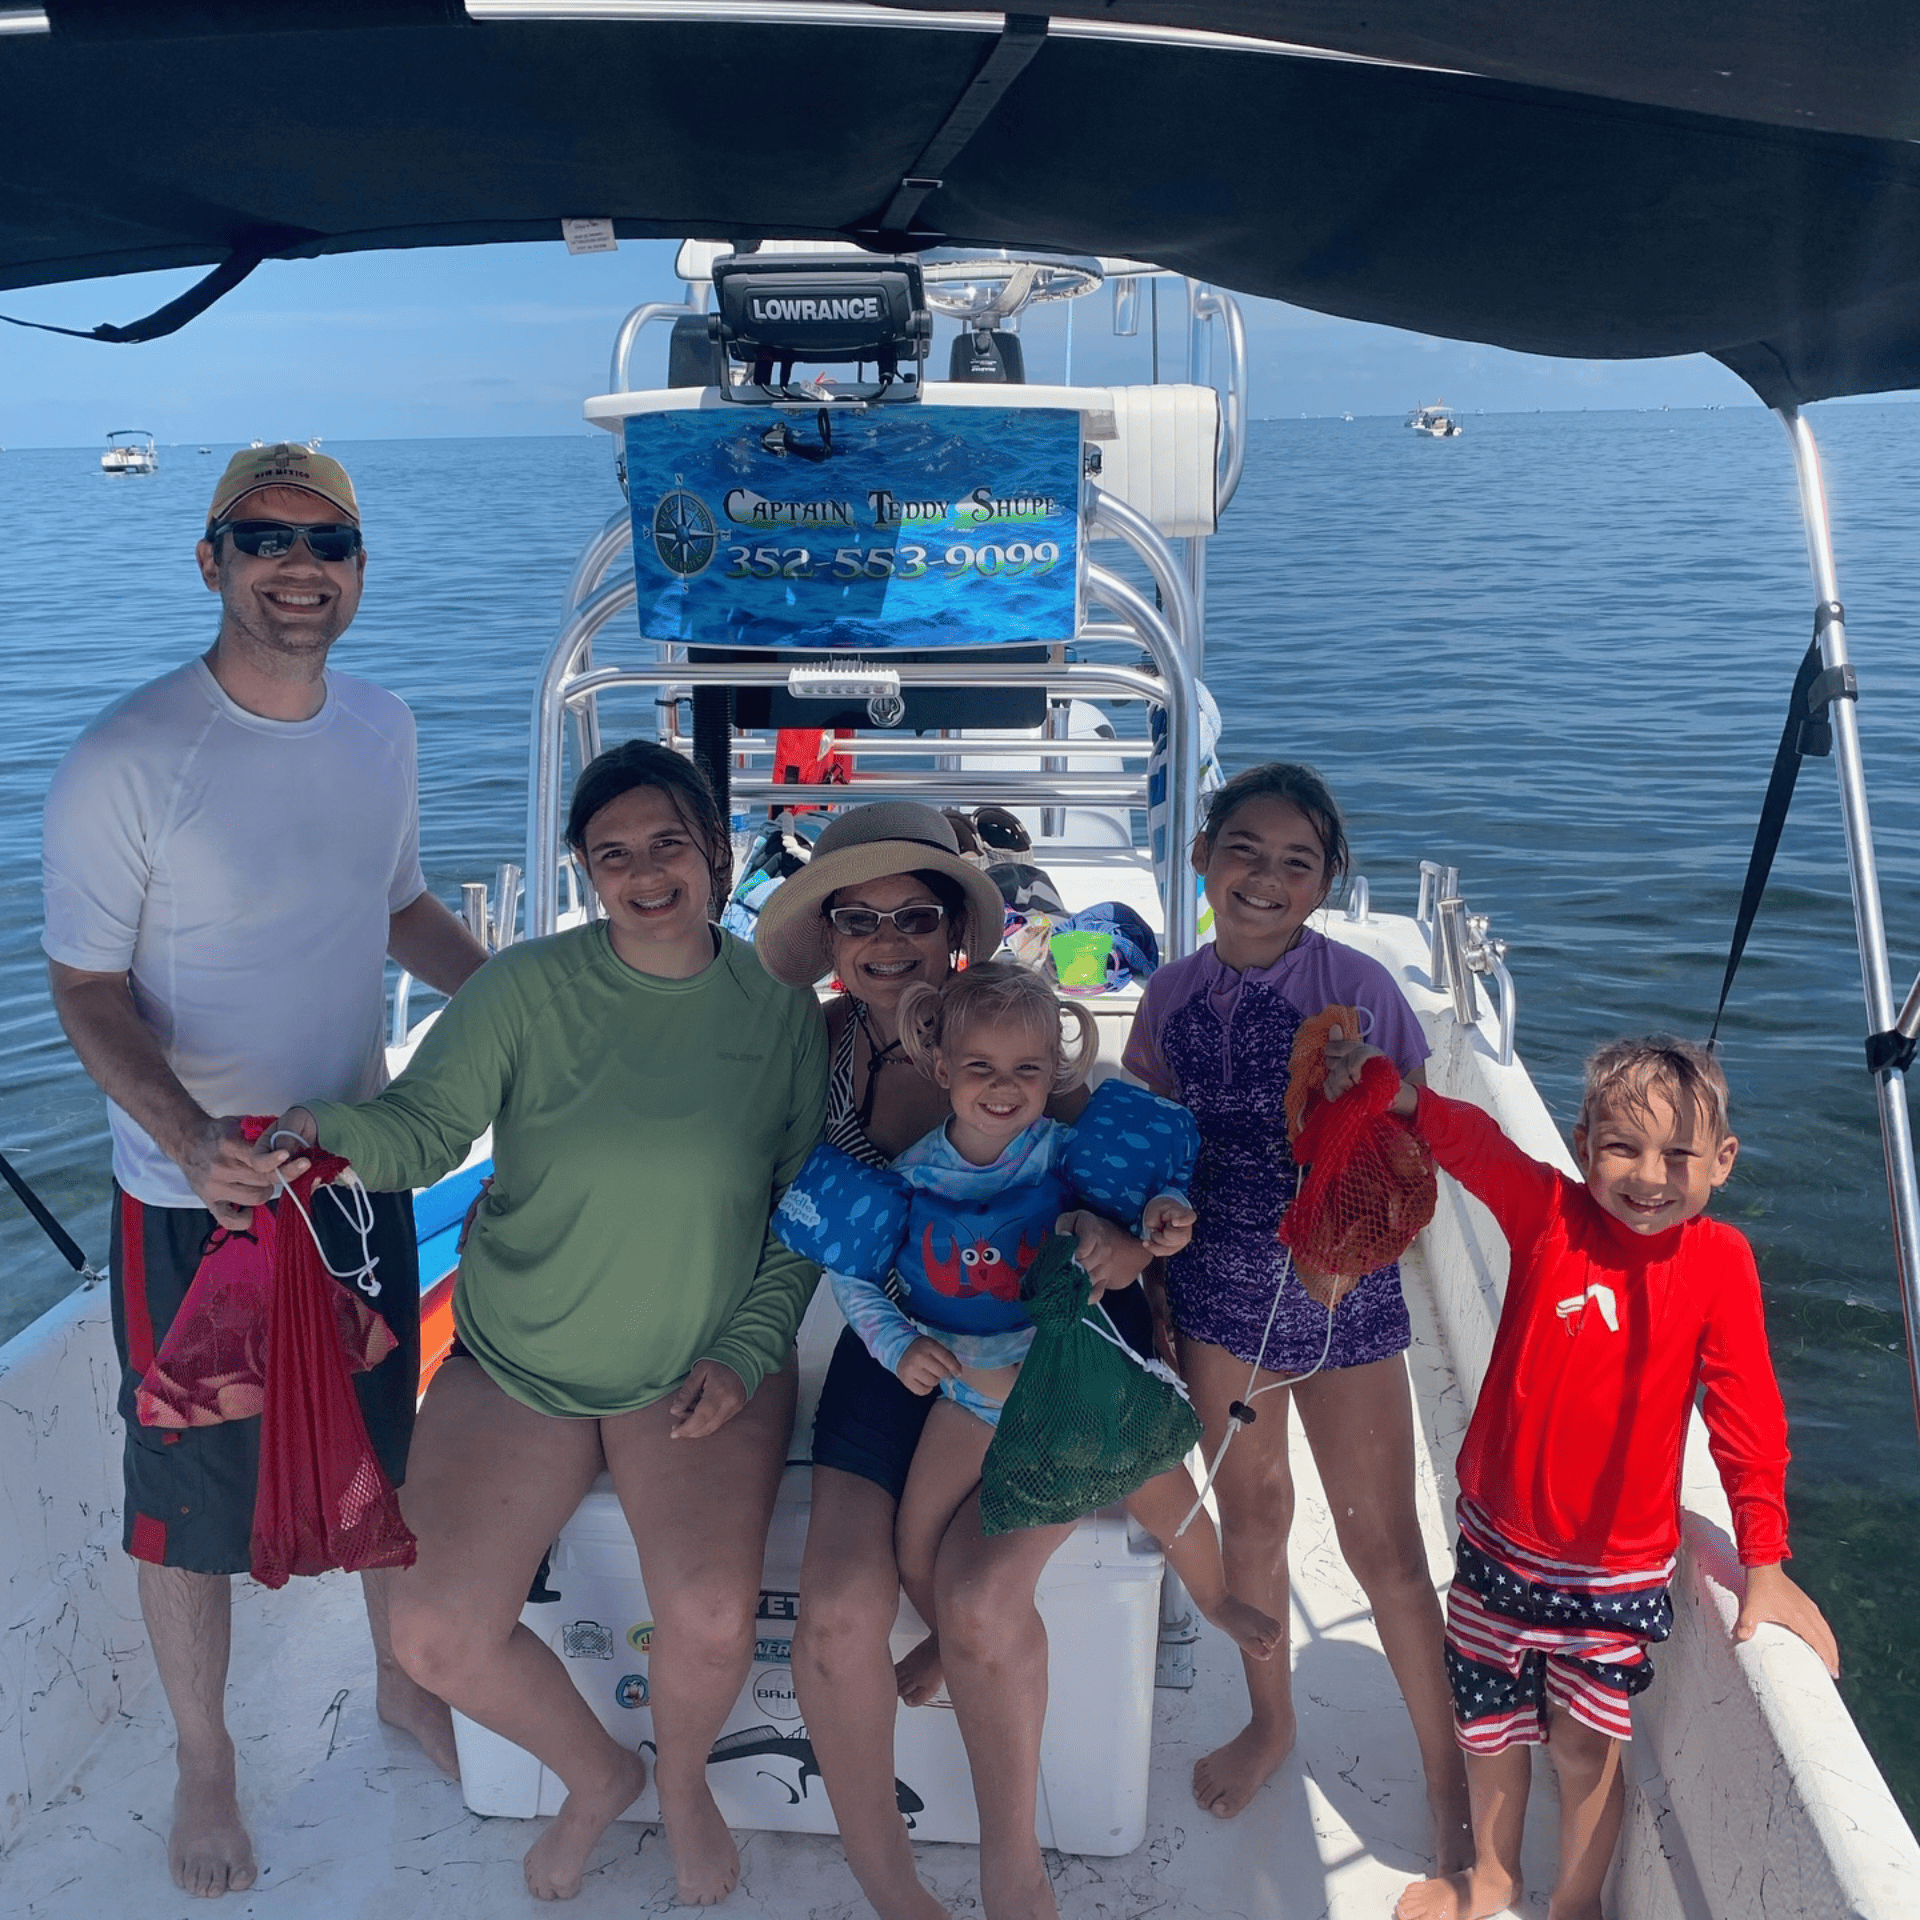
(844, 1214)
(1128, 1146)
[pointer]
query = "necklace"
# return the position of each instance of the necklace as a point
(877, 1057)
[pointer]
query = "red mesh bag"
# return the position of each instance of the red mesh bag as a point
(1369, 1186)
(324, 1500)
(212, 1366)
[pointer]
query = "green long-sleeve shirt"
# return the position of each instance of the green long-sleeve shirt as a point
(642, 1129)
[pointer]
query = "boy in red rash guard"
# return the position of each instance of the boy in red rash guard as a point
(1622, 1300)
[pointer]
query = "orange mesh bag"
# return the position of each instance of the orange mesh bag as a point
(324, 1500)
(212, 1366)
(1368, 1188)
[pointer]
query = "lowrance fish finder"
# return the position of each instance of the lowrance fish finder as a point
(820, 310)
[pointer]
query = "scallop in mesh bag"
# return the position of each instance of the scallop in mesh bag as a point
(1089, 1420)
(1368, 1186)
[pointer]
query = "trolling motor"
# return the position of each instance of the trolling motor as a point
(785, 310)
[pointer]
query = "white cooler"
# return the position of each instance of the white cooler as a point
(1099, 1597)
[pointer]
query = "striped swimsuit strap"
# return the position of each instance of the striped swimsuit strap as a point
(843, 1128)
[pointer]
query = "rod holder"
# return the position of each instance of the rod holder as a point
(473, 909)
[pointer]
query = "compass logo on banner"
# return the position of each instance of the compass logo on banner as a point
(684, 534)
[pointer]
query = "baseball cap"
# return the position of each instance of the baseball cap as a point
(286, 464)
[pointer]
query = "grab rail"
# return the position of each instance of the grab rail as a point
(1210, 304)
(1080, 676)
(632, 327)
(1176, 591)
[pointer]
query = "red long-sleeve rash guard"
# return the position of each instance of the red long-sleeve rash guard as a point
(1575, 1444)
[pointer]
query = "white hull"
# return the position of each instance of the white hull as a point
(1752, 1793)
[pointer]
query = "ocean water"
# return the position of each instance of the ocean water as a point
(1554, 652)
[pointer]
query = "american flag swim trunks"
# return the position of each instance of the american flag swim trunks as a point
(1525, 1634)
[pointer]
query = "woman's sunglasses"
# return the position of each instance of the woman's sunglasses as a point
(859, 923)
(274, 539)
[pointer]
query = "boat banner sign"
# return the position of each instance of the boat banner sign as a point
(909, 526)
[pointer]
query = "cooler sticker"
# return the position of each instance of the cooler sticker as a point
(773, 1693)
(776, 1650)
(640, 1637)
(587, 1640)
(632, 1690)
(779, 1606)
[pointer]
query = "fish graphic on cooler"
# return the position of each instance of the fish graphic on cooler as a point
(769, 1743)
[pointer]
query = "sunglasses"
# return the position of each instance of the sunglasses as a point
(273, 539)
(859, 923)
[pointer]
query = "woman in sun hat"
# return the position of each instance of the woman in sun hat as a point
(887, 901)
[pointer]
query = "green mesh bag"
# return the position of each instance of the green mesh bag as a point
(1088, 1421)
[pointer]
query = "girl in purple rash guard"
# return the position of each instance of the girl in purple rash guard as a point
(1215, 1032)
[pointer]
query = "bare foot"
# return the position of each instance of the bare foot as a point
(403, 1703)
(1458, 1896)
(706, 1863)
(1452, 1815)
(208, 1849)
(1256, 1634)
(920, 1675)
(1018, 1887)
(556, 1861)
(1230, 1776)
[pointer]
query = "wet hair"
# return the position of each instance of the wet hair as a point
(1621, 1074)
(1299, 786)
(999, 992)
(944, 888)
(645, 763)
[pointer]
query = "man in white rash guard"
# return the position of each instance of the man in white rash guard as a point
(231, 852)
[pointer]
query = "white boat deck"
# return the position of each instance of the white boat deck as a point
(350, 1818)
(1751, 1793)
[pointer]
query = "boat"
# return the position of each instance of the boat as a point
(130, 450)
(1750, 1790)
(1436, 421)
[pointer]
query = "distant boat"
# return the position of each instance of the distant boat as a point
(206, 449)
(130, 450)
(1437, 421)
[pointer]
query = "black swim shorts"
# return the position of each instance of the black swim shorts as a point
(190, 1490)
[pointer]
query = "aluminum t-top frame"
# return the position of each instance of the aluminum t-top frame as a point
(571, 683)
(1890, 1082)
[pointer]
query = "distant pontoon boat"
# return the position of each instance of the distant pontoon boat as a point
(130, 450)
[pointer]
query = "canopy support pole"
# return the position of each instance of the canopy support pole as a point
(1890, 1084)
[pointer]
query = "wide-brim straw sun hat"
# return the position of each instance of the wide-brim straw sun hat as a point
(873, 842)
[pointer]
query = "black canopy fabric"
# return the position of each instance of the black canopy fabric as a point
(1645, 179)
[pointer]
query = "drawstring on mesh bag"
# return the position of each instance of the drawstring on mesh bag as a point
(212, 1366)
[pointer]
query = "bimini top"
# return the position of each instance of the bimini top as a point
(1618, 180)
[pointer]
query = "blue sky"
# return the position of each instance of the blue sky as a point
(510, 339)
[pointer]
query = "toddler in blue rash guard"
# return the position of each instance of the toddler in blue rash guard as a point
(926, 1257)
